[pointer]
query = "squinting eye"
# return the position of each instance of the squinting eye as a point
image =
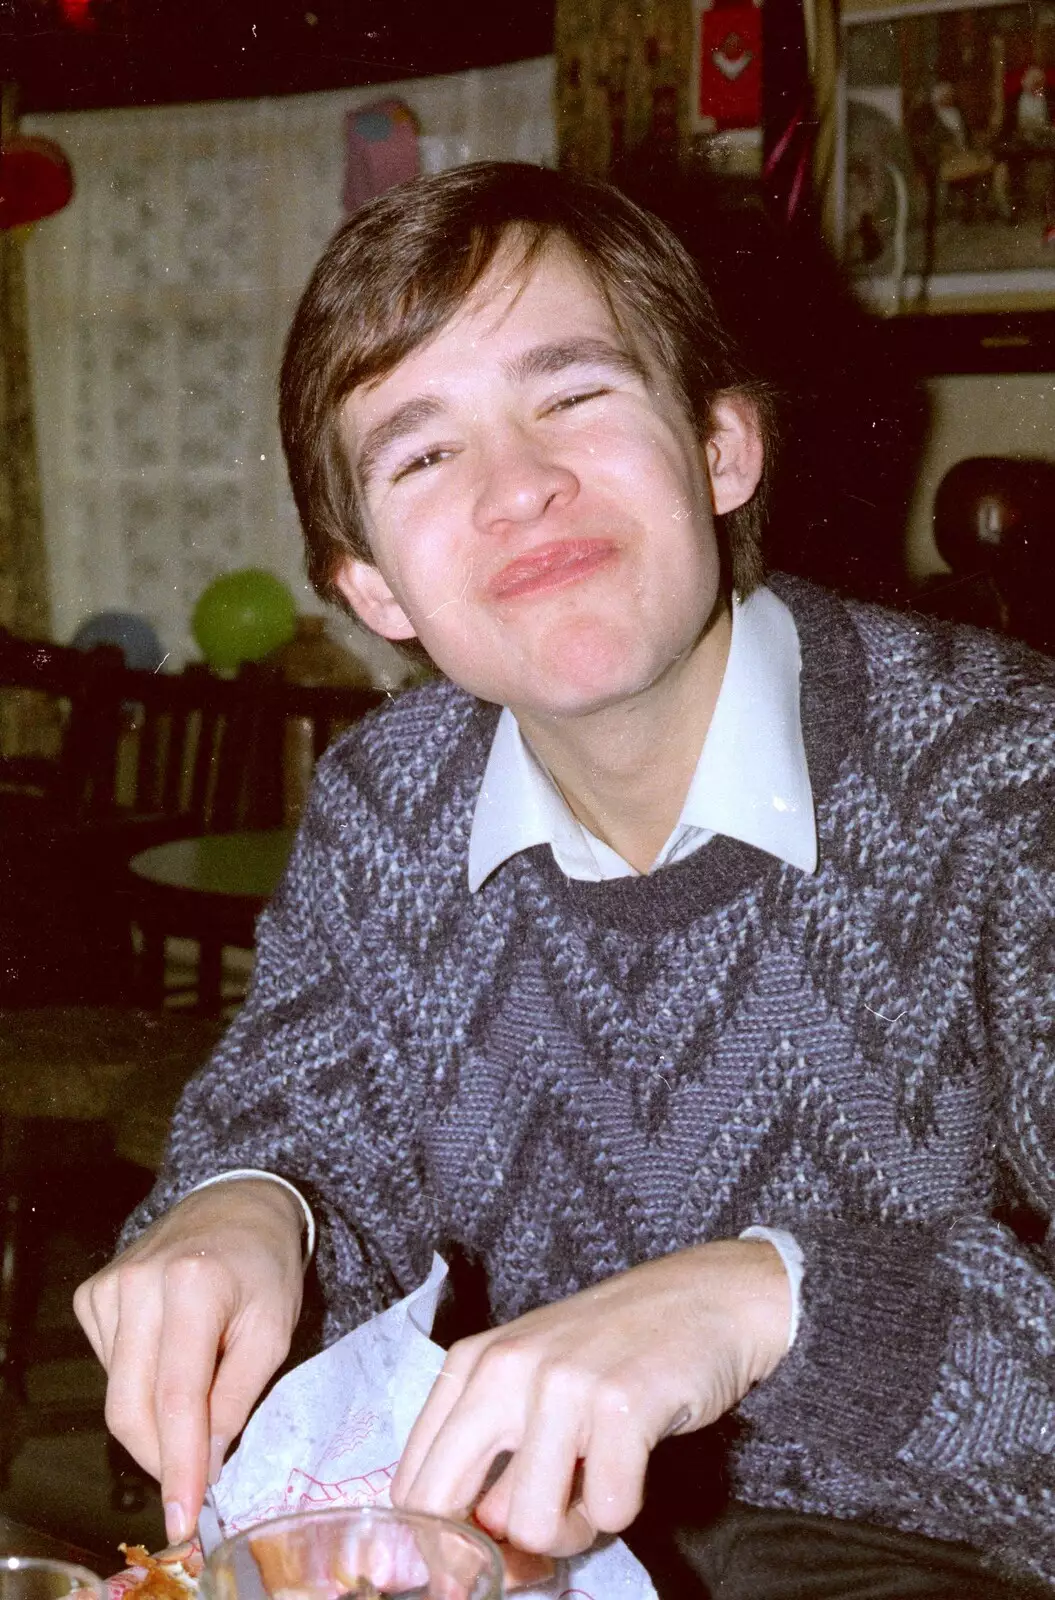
(571, 400)
(428, 458)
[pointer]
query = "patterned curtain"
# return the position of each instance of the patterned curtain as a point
(158, 303)
(23, 568)
(623, 78)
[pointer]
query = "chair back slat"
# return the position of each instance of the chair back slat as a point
(209, 764)
(149, 738)
(210, 754)
(230, 753)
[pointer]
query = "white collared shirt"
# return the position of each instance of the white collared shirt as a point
(751, 781)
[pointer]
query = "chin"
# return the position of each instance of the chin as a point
(589, 673)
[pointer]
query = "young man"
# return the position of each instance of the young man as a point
(703, 993)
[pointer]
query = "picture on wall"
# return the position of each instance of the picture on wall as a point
(946, 169)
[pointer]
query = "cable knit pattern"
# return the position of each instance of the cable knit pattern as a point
(564, 1079)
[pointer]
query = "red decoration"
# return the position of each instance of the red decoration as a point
(78, 13)
(730, 46)
(35, 180)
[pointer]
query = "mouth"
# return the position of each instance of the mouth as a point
(552, 566)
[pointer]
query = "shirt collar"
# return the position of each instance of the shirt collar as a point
(751, 781)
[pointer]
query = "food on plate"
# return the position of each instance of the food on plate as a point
(171, 1575)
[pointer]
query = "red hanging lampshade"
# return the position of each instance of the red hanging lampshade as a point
(36, 179)
(78, 13)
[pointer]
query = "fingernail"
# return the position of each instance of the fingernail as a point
(217, 1450)
(177, 1522)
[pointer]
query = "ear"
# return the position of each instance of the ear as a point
(735, 453)
(372, 600)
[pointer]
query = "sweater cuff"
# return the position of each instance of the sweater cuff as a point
(876, 1308)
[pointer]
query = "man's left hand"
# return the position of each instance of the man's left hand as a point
(577, 1394)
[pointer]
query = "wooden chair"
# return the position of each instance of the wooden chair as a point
(213, 756)
(218, 754)
(141, 758)
(145, 758)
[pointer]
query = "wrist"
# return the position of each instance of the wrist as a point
(745, 1297)
(256, 1204)
(242, 1174)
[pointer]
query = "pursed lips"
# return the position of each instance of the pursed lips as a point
(551, 566)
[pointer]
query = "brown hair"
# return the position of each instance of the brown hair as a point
(404, 264)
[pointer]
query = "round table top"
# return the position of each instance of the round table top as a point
(246, 866)
(18, 1540)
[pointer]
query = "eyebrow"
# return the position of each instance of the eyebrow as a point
(404, 420)
(542, 361)
(547, 360)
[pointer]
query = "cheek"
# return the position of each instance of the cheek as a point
(440, 606)
(660, 477)
(421, 564)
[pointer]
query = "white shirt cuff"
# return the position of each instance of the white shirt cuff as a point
(790, 1252)
(272, 1177)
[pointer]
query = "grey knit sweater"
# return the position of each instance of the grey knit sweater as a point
(563, 1079)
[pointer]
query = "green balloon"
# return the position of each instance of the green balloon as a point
(243, 616)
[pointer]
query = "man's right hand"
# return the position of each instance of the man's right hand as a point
(190, 1322)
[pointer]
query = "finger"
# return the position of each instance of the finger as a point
(491, 1510)
(485, 1419)
(535, 1490)
(188, 1348)
(252, 1353)
(613, 1478)
(130, 1413)
(452, 1474)
(572, 1534)
(443, 1396)
(94, 1306)
(575, 1534)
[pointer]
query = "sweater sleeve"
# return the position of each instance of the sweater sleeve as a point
(303, 1084)
(925, 1364)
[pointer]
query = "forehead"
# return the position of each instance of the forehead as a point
(554, 285)
(515, 303)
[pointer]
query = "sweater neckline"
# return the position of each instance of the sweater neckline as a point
(832, 695)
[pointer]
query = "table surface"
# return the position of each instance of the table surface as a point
(18, 1540)
(239, 865)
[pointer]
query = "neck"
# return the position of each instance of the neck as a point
(624, 770)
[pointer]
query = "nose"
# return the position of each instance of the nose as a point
(521, 482)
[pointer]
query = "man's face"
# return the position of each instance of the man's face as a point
(537, 504)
